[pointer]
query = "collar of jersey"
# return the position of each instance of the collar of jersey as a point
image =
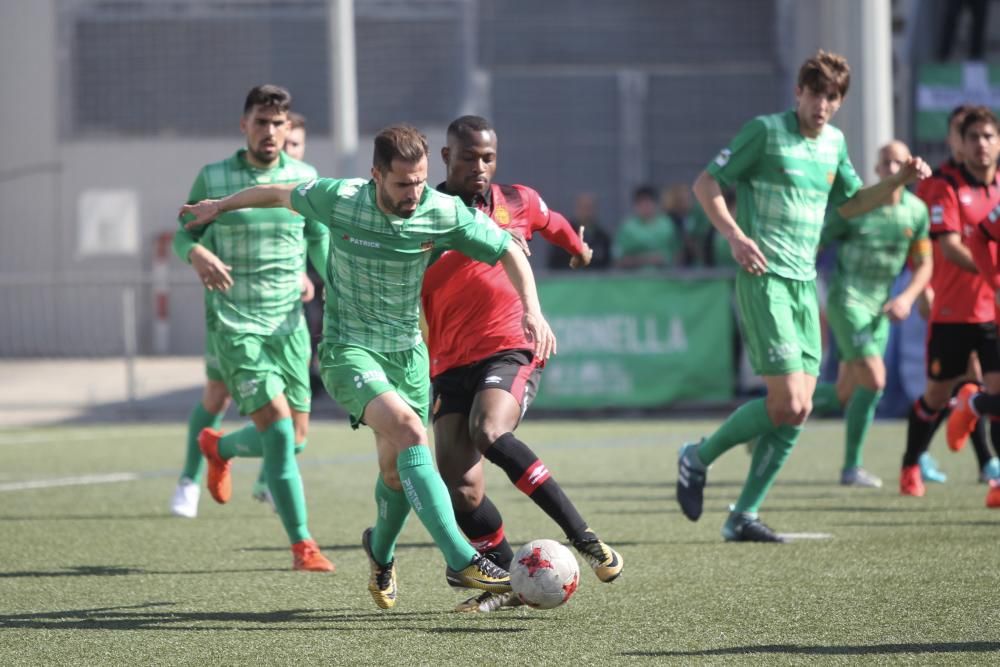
(483, 202)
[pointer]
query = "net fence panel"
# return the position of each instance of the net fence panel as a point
(630, 33)
(686, 128)
(175, 67)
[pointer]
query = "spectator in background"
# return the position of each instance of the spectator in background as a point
(585, 216)
(977, 27)
(676, 203)
(711, 248)
(295, 140)
(646, 239)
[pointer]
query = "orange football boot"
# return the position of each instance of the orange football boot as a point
(306, 557)
(219, 482)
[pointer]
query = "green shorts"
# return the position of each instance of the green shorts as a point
(780, 323)
(859, 332)
(212, 369)
(354, 376)
(256, 368)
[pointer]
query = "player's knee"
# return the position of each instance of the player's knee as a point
(466, 497)
(790, 411)
(485, 435)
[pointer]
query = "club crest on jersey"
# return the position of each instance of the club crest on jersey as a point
(936, 367)
(829, 177)
(501, 216)
(426, 245)
(908, 233)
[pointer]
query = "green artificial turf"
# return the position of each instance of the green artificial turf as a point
(99, 573)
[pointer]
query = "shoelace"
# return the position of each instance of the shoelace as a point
(593, 552)
(383, 577)
(489, 568)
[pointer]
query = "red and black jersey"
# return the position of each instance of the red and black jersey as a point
(471, 308)
(957, 203)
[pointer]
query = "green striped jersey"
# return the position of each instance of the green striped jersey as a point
(784, 182)
(377, 261)
(265, 248)
(872, 249)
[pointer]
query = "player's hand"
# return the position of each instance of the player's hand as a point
(583, 259)
(925, 301)
(212, 271)
(538, 331)
(308, 289)
(201, 213)
(520, 241)
(914, 170)
(898, 309)
(748, 255)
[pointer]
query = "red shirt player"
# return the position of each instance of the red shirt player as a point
(963, 315)
(981, 136)
(482, 369)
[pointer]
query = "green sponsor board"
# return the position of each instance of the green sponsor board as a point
(637, 341)
(942, 87)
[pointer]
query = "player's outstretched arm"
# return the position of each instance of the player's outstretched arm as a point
(260, 196)
(519, 271)
(870, 198)
(744, 249)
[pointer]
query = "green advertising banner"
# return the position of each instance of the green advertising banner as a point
(943, 86)
(637, 341)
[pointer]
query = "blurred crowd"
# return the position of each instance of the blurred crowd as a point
(664, 229)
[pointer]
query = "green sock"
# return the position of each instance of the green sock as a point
(769, 456)
(746, 423)
(194, 462)
(244, 442)
(858, 417)
(825, 399)
(428, 496)
(262, 473)
(393, 509)
(283, 479)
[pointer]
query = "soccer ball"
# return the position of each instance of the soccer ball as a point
(544, 574)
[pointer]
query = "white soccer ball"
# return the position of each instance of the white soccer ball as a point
(544, 574)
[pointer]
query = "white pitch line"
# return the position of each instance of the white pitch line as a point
(807, 536)
(70, 481)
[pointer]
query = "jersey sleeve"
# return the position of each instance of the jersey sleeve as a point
(921, 244)
(942, 206)
(476, 235)
(316, 199)
(846, 181)
(738, 160)
(553, 226)
(185, 240)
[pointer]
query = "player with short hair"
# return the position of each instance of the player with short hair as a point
(787, 169)
(483, 371)
(978, 190)
(373, 359)
(871, 251)
(256, 333)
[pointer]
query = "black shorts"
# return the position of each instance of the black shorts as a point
(514, 371)
(950, 344)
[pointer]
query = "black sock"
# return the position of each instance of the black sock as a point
(922, 423)
(978, 438)
(994, 436)
(484, 528)
(530, 475)
(986, 405)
